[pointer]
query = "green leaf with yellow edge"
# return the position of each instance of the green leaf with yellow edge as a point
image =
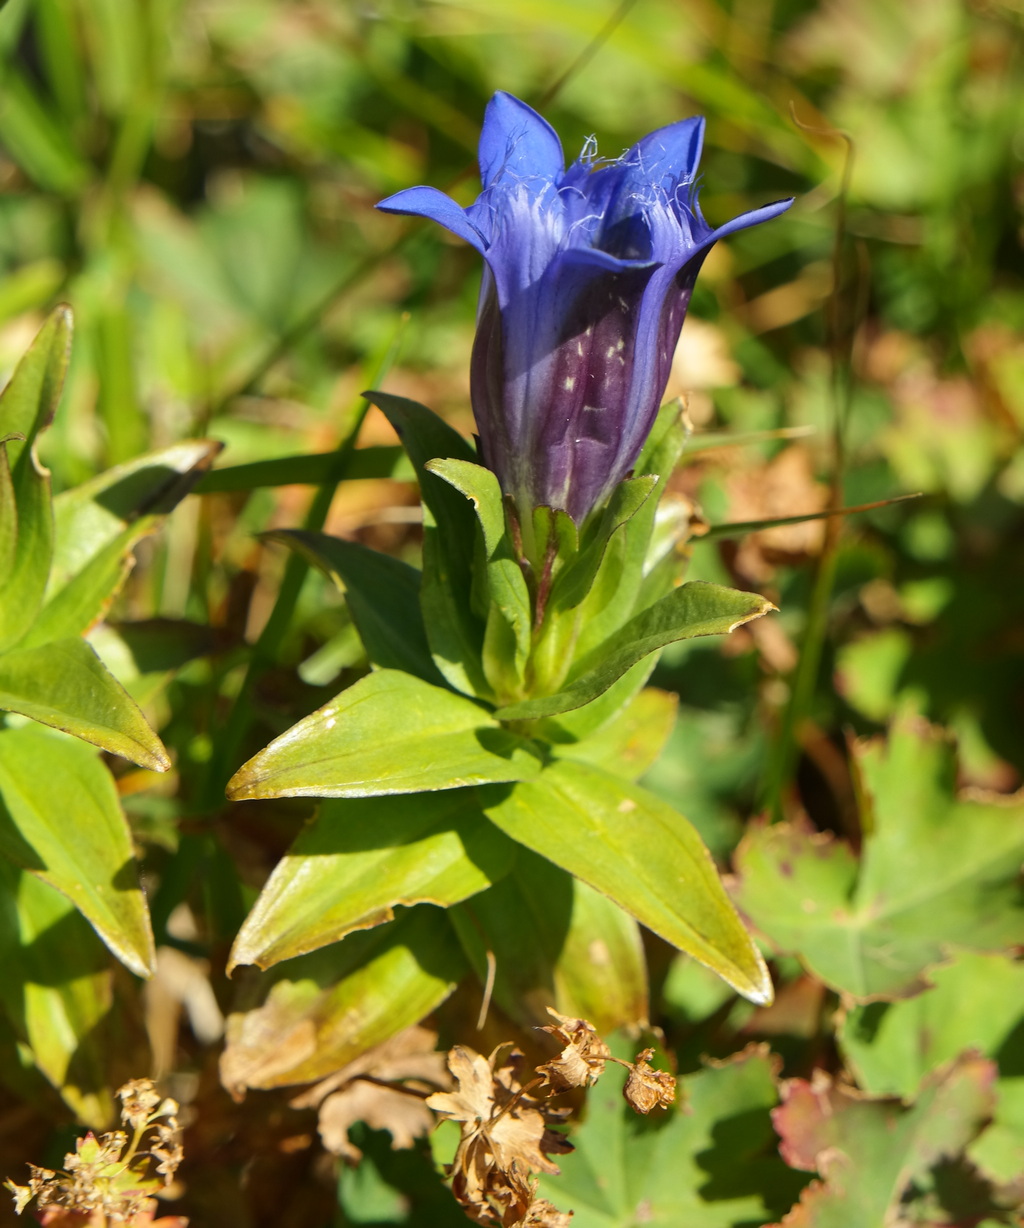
(713, 1164)
(507, 609)
(456, 634)
(631, 742)
(60, 819)
(57, 991)
(312, 1015)
(638, 851)
(383, 597)
(359, 858)
(873, 1155)
(65, 685)
(934, 870)
(555, 942)
(389, 733)
(974, 1003)
(691, 610)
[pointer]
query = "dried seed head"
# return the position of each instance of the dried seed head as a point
(647, 1088)
(582, 1060)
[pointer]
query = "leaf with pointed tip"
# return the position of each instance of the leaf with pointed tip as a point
(89, 518)
(383, 597)
(555, 942)
(61, 820)
(64, 684)
(692, 610)
(637, 850)
(362, 857)
(310, 469)
(21, 593)
(85, 598)
(508, 612)
(456, 635)
(8, 514)
(57, 991)
(313, 1015)
(389, 733)
(29, 402)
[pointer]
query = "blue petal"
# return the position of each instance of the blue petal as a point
(518, 144)
(668, 156)
(764, 214)
(429, 202)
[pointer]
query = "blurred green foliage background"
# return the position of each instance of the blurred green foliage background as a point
(197, 178)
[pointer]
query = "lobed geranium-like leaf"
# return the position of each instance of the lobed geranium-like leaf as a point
(389, 733)
(57, 991)
(555, 942)
(313, 1015)
(869, 1153)
(360, 858)
(935, 870)
(455, 633)
(974, 1003)
(60, 819)
(692, 610)
(383, 597)
(65, 685)
(712, 1165)
(634, 848)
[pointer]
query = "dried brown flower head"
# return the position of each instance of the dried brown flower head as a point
(505, 1134)
(582, 1060)
(107, 1180)
(647, 1088)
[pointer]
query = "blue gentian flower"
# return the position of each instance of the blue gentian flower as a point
(588, 275)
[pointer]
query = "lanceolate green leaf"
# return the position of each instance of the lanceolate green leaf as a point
(29, 401)
(21, 593)
(555, 942)
(314, 1014)
(90, 517)
(509, 615)
(389, 733)
(455, 633)
(57, 991)
(360, 858)
(64, 684)
(693, 609)
(8, 514)
(27, 406)
(84, 599)
(60, 819)
(631, 741)
(642, 854)
(383, 596)
(313, 469)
